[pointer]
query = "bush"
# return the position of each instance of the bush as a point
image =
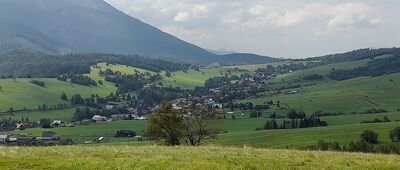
(369, 137)
(395, 134)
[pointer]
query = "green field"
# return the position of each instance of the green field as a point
(354, 95)
(343, 134)
(20, 93)
(325, 70)
(191, 79)
(207, 157)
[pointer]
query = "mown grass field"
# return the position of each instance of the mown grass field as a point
(21, 93)
(206, 157)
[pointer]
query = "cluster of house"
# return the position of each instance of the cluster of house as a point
(22, 139)
(203, 103)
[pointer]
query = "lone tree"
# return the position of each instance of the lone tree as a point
(196, 129)
(166, 124)
(369, 137)
(173, 126)
(395, 134)
(64, 97)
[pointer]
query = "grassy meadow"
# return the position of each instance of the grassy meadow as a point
(21, 93)
(282, 138)
(191, 79)
(206, 157)
(353, 95)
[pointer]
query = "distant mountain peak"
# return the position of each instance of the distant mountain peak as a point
(88, 26)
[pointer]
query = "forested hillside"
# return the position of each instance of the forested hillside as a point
(22, 63)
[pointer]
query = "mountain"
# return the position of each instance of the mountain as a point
(220, 51)
(244, 58)
(85, 26)
(89, 26)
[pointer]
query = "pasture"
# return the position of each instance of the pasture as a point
(206, 157)
(353, 95)
(21, 93)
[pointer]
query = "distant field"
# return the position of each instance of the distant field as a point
(64, 115)
(20, 93)
(206, 157)
(358, 94)
(343, 134)
(191, 79)
(325, 70)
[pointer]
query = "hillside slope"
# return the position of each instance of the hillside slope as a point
(85, 26)
(209, 157)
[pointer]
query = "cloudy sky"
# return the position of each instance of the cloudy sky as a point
(282, 28)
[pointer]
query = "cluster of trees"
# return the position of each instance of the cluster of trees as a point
(45, 123)
(216, 82)
(356, 55)
(377, 120)
(174, 127)
(39, 83)
(130, 83)
(82, 80)
(83, 114)
(45, 107)
(375, 67)
(16, 64)
(368, 143)
(154, 95)
(297, 120)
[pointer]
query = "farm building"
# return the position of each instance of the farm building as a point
(48, 135)
(99, 118)
(4, 138)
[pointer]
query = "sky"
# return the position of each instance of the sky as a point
(279, 28)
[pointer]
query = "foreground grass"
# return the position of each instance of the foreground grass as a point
(208, 157)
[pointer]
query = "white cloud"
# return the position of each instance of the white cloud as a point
(271, 27)
(182, 16)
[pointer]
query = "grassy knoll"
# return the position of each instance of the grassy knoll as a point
(343, 134)
(207, 157)
(325, 70)
(20, 93)
(64, 115)
(358, 94)
(356, 119)
(192, 78)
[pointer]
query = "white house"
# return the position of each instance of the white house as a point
(99, 118)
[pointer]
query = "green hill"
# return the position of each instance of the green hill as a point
(208, 157)
(23, 94)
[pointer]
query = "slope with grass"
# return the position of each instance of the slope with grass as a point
(191, 79)
(21, 93)
(281, 138)
(325, 70)
(208, 157)
(354, 95)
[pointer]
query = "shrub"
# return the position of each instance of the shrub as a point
(369, 137)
